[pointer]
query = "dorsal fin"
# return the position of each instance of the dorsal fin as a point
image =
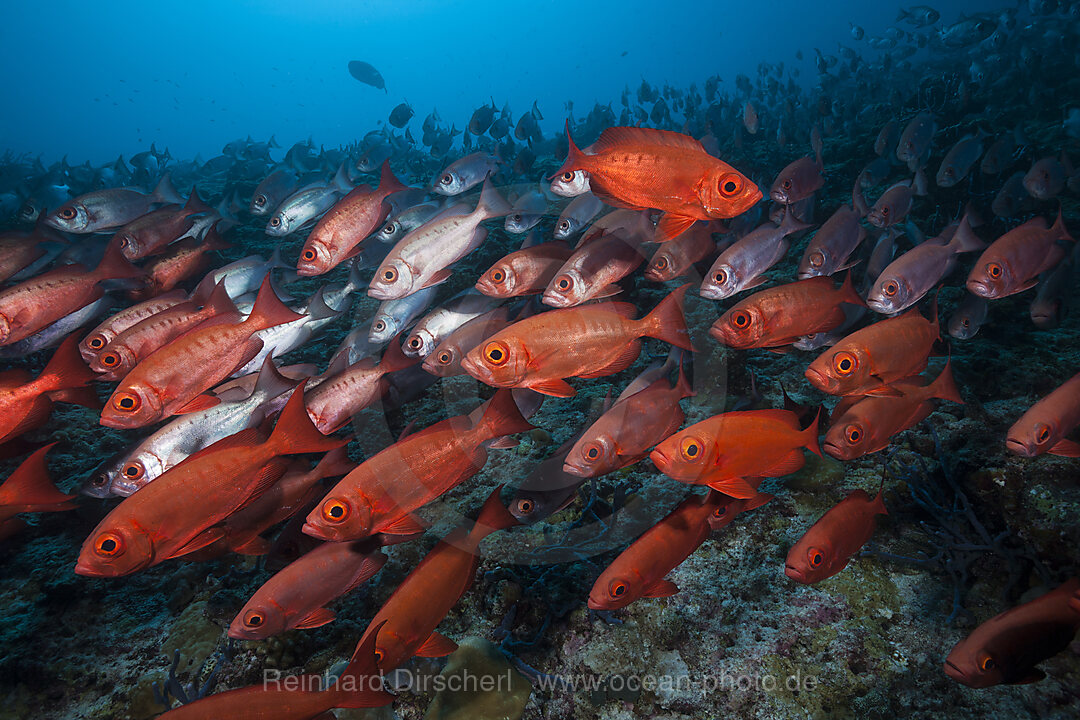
(615, 136)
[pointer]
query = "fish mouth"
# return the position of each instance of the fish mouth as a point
(574, 470)
(660, 460)
(316, 532)
(82, 568)
(555, 300)
(1019, 447)
(795, 574)
(978, 287)
(956, 673)
(379, 292)
(835, 450)
(779, 196)
(818, 379)
(878, 306)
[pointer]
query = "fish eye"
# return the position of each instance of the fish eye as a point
(275, 221)
(134, 470)
(378, 655)
(335, 511)
(890, 288)
(108, 545)
(618, 589)
(884, 210)
(1042, 433)
(128, 402)
(254, 619)
(816, 557)
(260, 200)
(965, 322)
(720, 276)
(516, 217)
(446, 179)
(853, 434)
(389, 275)
(567, 176)
(690, 448)
(445, 357)
(68, 213)
(661, 263)
(730, 185)
(379, 326)
(564, 283)
(845, 363)
(817, 258)
(110, 359)
(786, 184)
(309, 255)
(987, 663)
(564, 225)
(592, 452)
(497, 276)
(100, 480)
(741, 320)
(415, 343)
(496, 353)
(95, 343)
(993, 270)
(525, 506)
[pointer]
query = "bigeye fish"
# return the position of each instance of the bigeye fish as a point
(579, 213)
(445, 359)
(960, 159)
(465, 174)
(104, 210)
(528, 210)
(306, 205)
(594, 270)
(408, 219)
(437, 325)
(913, 147)
(968, 317)
(1015, 260)
(831, 542)
(272, 191)
(831, 246)
(742, 265)
(547, 489)
(393, 316)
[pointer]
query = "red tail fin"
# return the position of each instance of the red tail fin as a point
(810, 436)
(269, 310)
(114, 265)
(388, 183)
(493, 516)
(944, 386)
(194, 204)
(360, 684)
(666, 322)
(66, 368)
(394, 358)
(334, 463)
(501, 417)
(295, 433)
(30, 484)
(848, 293)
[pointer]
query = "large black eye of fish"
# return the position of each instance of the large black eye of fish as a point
(720, 277)
(525, 506)
(254, 619)
(741, 320)
(730, 185)
(445, 357)
(1042, 433)
(260, 200)
(496, 353)
(786, 184)
(816, 557)
(497, 276)
(618, 589)
(661, 263)
(564, 225)
(891, 288)
(690, 448)
(335, 511)
(567, 176)
(108, 544)
(309, 255)
(127, 402)
(379, 326)
(845, 363)
(389, 275)
(67, 213)
(134, 470)
(854, 434)
(987, 664)
(817, 258)
(446, 179)
(416, 343)
(564, 283)
(96, 343)
(994, 270)
(275, 221)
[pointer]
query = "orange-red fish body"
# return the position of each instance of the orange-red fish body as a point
(1014, 261)
(117, 323)
(1006, 648)
(383, 491)
(830, 543)
(668, 171)
(445, 360)
(180, 511)
(593, 271)
(355, 216)
(524, 272)
(168, 381)
(40, 301)
(1042, 429)
(723, 450)
(185, 260)
(30, 490)
(25, 403)
(333, 402)
(675, 258)
(781, 315)
(587, 341)
(639, 570)
(867, 361)
(405, 625)
(863, 425)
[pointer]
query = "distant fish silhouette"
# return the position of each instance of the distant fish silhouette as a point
(367, 74)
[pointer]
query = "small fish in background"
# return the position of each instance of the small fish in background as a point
(750, 118)
(1057, 292)
(676, 258)
(1013, 262)
(401, 114)
(913, 147)
(1012, 198)
(579, 213)
(528, 210)
(272, 191)
(394, 316)
(800, 179)
(969, 316)
(1005, 649)
(465, 174)
(482, 118)
(1046, 178)
(893, 206)
(918, 15)
(830, 543)
(547, 489)
(367, 74)
(1044, 427)
(831, 246)
(960, 159)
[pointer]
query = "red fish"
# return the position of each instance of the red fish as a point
(25, 403)
(830, 543)
(30, 490)
(724, 450)
(405, 625)
(675, 258)
(862, 425)
(1042, 429)
(306, 698)
(40, 301)
(151, 233)
(587, 341)
(645, 168)
(1005, 649)
(104, 333)
(173, 379)
(781, 315)
(380, 494)
(869, 360)
(635, 423)
(639, 570)
(153, 332)
(181, 511)
(333, 402)
(445, 360)
(593, 270)
(1014, 261)
(336, 236)
(297, 596)
(525, 272)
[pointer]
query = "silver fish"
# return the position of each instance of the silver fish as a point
(742, 265)
(408, 219)
(579, 213)
(968, 317)
(528, 210)
(270, 193)
(834, 242)
(393, 316)
(466, 173)
(437, 325)
(307, 205)
(960, 159)
(571, 183)
(104, 210)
